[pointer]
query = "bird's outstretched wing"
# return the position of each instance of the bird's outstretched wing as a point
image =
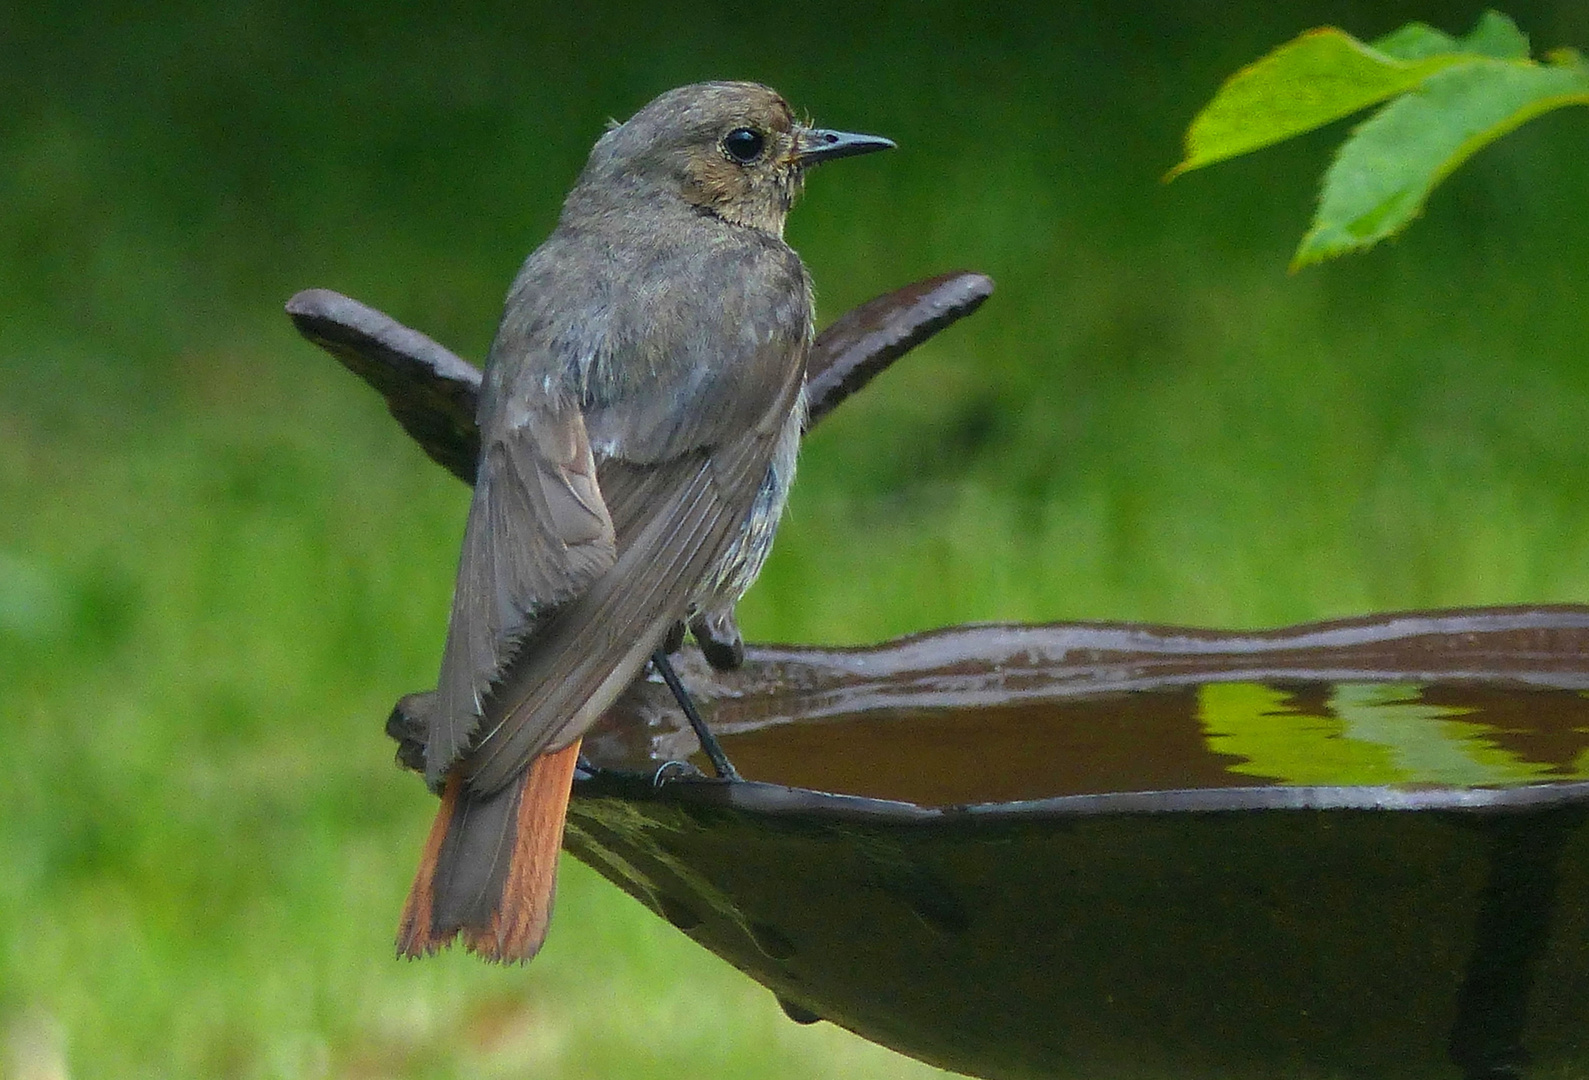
(538, 535)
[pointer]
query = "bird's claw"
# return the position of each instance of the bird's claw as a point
(671, 771)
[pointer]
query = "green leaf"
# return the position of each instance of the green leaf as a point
(1384, 172)
(1494, 36)
(1448, 98)
(1416, 41)
(1497, 37)
(1316, 78)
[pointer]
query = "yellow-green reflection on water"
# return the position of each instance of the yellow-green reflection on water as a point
(1371, 733)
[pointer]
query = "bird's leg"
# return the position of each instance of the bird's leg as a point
(720, 763)
(719, 638)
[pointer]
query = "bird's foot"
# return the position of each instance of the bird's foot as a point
(709, 744)
(672, 771)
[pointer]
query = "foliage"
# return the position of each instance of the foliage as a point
(1447, 99)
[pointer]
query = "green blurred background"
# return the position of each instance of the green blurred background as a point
(220, 561)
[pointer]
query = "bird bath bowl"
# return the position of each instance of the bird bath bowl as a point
(1347, 850)
(1331, 852)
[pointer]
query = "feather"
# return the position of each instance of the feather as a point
(538, 534)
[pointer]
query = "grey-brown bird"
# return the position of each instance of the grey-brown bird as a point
(639, 421)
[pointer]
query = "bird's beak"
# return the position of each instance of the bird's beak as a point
(820, 144)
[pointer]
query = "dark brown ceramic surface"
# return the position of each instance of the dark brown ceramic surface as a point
(1119, 851)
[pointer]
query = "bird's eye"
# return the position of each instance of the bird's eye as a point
(744, 145)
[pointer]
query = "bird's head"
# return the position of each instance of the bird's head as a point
(733, 149)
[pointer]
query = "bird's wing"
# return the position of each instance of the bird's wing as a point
(673, 519)
(538, 534)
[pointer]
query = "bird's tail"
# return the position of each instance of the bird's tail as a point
(489, 868)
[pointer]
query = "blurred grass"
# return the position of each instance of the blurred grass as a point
(220, 562)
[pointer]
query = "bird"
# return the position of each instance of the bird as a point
(640, 416)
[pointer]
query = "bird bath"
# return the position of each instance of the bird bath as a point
(1350, 849)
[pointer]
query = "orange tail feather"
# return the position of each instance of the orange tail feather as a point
(518, 927)
(414, 935)
(521, 913)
